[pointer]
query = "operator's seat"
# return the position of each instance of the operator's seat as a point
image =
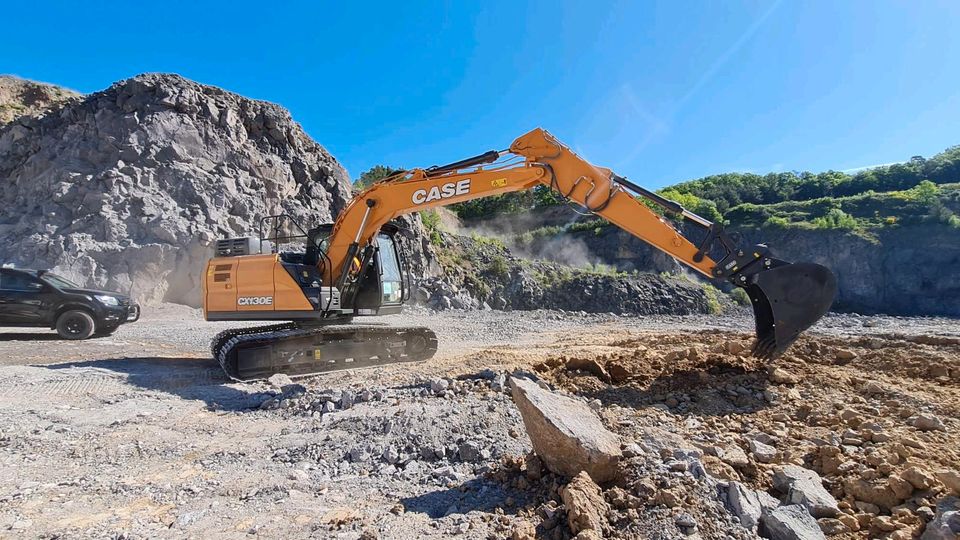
(311, 256)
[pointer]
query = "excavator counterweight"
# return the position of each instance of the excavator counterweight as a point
(356, 267)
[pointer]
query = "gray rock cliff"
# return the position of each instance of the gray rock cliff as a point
(128, 188)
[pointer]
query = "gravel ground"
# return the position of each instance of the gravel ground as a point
(138, 435)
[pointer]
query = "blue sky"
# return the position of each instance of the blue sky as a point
(659, 91)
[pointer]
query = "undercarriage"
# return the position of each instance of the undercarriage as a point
(296, 349)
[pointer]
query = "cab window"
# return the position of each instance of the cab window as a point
(390, 270)
(15, 281)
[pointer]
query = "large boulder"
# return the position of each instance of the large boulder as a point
(566, 434)
(128, 188)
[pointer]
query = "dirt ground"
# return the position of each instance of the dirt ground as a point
(138, 435)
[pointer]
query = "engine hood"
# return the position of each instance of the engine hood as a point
(91, 292)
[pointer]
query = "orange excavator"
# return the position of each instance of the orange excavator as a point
(357, 265)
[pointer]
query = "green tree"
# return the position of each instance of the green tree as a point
(701, 207)
(835, 219)
(374, 175)
(926, 192)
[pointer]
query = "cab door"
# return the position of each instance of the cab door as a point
(24, 300)
(391, 274)
(381, 289)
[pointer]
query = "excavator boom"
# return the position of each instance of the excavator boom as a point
(787, 298)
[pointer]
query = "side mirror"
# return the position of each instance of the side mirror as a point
(36, 286)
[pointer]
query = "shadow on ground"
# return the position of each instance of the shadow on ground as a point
(476, 494)
(29, 336)
(190, 378)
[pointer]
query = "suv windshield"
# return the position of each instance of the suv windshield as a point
(57, 281)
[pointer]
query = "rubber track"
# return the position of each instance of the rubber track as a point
(223, 337)
(225, 343)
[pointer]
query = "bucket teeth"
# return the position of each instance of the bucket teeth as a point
(765, 348)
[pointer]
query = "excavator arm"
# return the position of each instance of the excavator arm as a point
(787, 298)
(352, 271)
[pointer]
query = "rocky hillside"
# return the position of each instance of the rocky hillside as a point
(128, 188)
(481, 273)
(907, 269)
(20, 97)
(910, 270)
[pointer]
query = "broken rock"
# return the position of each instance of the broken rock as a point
(764, 453)
(586, 507)
(779, 375)
(748, 505)
(279, 380)
(878, 495)
(951, 479)
(803, 486)
(734, 456)
(832, 526)
(589, 365)
(926, 422)
(946, 522)
(919, 478)
(524, 531)
(469, 451)
(790, 522)
(566, 434)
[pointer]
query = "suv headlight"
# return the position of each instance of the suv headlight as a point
(107, 300)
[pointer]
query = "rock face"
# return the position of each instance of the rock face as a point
(895, 271)
(128, 188)
(20, 97)
(566, 433)
(482, 272)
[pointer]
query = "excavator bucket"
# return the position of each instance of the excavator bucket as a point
(787, 299)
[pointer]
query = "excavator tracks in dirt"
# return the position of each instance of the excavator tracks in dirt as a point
(258, 352)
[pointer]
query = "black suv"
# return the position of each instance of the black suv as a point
(36, 298)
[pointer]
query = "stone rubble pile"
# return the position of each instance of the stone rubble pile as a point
(739, 451)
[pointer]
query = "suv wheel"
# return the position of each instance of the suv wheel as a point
(75, 324)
